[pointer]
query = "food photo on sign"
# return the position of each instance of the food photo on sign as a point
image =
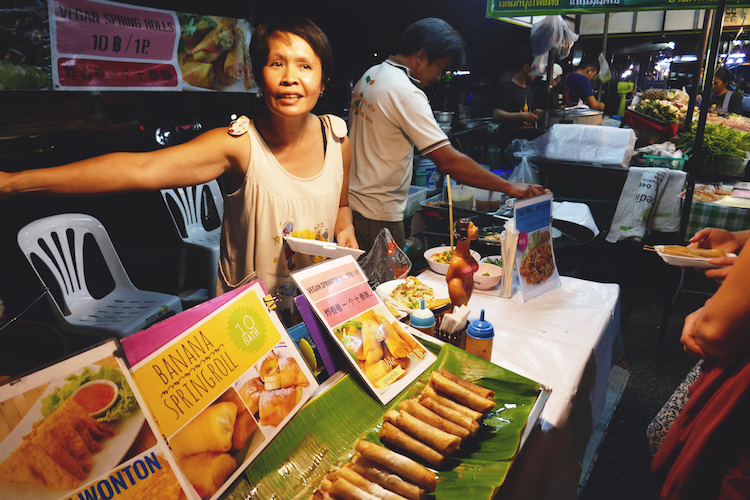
(535, 256)
(76, 428)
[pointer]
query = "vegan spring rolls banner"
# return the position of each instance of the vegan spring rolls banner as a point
(101, 45)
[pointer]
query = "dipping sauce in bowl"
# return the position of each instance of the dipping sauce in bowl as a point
(96, 397)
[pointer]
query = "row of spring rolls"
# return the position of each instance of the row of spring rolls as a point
(431, 426)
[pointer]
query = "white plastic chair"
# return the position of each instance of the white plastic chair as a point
(189, 207)
(57, 242)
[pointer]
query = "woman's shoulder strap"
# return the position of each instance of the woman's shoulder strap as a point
(336, 124)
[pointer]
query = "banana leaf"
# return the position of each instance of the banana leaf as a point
(322, 435)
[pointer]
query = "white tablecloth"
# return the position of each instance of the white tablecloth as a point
(566, 339)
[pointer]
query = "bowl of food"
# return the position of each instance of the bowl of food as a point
(439, 258)
(97, 396)
(487, 276)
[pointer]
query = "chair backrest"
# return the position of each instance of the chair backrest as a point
(190, 206)
(58, 242)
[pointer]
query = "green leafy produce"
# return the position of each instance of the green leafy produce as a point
(126, 402)
(661, 110)
(720, 144)
(496, 262)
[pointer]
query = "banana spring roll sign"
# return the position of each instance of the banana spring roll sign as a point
(223, 388)
(535, 259)
(378, 346)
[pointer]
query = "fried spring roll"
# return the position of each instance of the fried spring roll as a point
(198, 74)
(211, 431)
(234, 64)
(441, 441)
(388, 480)
(485, 393)
(398, 347)
(391, 434)
(414, 408)
(461, 394)
(364, 484)
(404, 466)
(413, 344)
(218, 41)
(430, 392)
(450, 414)
(341, 488)
(371, 338)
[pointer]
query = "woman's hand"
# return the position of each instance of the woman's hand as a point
(346, 238)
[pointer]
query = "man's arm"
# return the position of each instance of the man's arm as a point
(594, 104)
(508, 116)
(466, 171)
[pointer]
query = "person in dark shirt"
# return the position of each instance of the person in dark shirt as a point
(577, 85)
(516, 108)
(723, 99)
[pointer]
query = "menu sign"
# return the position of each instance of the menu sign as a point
(535, 256)
(77, 430)
(223, 388)
(506, 8)
(103, 45)
(384, 353)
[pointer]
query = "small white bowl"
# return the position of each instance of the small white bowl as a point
(443, 268)
(90, 386)
(494, 276)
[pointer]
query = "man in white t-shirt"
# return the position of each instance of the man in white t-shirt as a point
(390, 115)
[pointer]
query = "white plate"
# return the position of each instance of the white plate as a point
(678, 260)
(112, 453)
(385, 289)
(322, 248)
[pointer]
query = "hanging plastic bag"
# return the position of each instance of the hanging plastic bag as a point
(605, 74)
(552, 33)
(385, 261)
(539, 65)
(526, 171)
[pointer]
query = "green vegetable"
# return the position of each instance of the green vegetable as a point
(657, 110)
(720, 144)
(126, 402)
(497, 262)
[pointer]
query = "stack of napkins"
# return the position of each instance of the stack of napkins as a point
(456, 321)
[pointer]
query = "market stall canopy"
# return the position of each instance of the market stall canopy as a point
(533, 10)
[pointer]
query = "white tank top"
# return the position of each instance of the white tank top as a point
(273, 203)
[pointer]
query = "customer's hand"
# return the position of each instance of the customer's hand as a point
(720, 273)
(346, 238)
(715, 238)
(521, 190)
(688, 335)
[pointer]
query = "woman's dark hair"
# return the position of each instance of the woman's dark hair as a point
(437, 38)
(300, 26)
(461, 232)
(724, 75)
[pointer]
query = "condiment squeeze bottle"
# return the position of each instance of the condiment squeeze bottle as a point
(479, 335)
(423, 320)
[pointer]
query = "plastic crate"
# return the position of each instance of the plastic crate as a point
(665, 161)
(417, 194)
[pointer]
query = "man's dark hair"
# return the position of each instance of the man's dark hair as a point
(590, 62)
(437, 38)
(521, 58)
(300, 26)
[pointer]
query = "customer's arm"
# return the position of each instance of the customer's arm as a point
(344, 229)
(466, 171)
(719, 329)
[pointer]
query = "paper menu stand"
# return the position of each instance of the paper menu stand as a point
(535, 256)
(384, 354)
(236, 367)
(51, 448)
